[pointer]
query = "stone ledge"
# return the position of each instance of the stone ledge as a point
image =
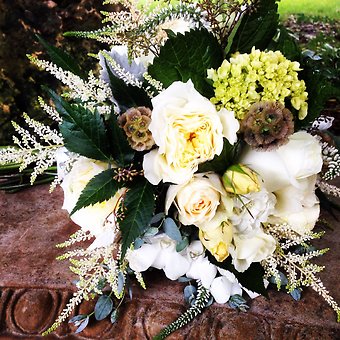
(34, 288)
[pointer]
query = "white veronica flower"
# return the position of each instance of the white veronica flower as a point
(160, 254)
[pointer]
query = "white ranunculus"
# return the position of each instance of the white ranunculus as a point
(160, 254)
(187, 130)
(298, 206)
(223, 287)
(91, 218)
(253, 210)
(298, 159)
(251, 248)
(196, 200)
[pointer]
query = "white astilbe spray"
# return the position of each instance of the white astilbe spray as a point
(93, 266)
(93, 92)
(121, 72)
(50, 111)
(328, 189)
(38, 148)
(298, 268)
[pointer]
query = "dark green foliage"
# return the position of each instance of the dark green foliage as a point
(257, 28)
(61, 58)
(139, 205)
(188, 56)
(119, 146)
(83, 131)
(126, 95)
(99, 189)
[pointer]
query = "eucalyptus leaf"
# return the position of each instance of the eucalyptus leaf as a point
(151, 232)
(114, 316)
(157, 218)
(103, 307)
(138, 243)
(82, 325)
(296, 294)
(78, 318)
(182, 244)
(100, 188)
(121, 283)
(171, 229)
(190, 294)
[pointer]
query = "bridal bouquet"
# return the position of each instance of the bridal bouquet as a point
(196, 149)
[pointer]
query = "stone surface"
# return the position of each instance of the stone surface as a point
(34, 288)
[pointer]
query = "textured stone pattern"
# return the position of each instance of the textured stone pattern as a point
(34, 288)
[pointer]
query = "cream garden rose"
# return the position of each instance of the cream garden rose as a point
(93, 217)
(198, 199)
(188, 131)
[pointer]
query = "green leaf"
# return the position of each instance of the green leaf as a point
(319, 89)
(114, 316)
(188, 56)
(61, 58)
(171, 229)
(121, 151)
(182, 245)
(82, 325)
(139, 203)
(126, 95)
(103, 307)
(99, 189)
(257, 28)
(83, 131)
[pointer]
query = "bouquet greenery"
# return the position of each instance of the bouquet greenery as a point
(196, 149)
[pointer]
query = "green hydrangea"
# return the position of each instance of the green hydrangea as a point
(258, 76)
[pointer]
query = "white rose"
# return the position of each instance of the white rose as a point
(188, 131)
(196, 200)
(299, 158)
(251, 248)
(298, 206)
(91, 218)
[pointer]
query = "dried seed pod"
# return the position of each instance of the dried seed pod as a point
(267, 125)
(135, 122)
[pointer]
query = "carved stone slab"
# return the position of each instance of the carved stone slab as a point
(34, 288)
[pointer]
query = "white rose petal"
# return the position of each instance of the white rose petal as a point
(249, 249)
(196, 200)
